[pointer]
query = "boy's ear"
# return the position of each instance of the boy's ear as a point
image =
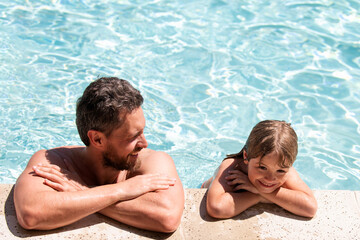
(97, 139)
(246, 161)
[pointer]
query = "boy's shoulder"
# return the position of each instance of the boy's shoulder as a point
(293, 178)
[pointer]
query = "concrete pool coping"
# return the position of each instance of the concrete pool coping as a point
(338, 217)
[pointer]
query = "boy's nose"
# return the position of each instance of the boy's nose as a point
(270, 177)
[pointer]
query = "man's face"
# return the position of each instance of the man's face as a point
(125, 143)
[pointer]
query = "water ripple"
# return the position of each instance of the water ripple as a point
(209, 70)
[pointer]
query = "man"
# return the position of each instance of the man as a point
(114, 174)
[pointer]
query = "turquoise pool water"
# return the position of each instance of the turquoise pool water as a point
(208, 70)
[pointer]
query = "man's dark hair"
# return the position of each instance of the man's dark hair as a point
(104, 105)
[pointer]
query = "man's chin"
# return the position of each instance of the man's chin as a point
(131, 163)
(119, 167)
(134, 162)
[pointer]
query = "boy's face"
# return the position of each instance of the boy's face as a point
(266, 175)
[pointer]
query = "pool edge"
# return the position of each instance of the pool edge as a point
(338, 217)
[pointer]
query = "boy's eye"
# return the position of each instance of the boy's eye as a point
(281, 171)
(262, 168)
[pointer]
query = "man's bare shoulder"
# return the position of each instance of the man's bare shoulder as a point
(55, 155)
(68, 152)
(155, 161)
(147, 153)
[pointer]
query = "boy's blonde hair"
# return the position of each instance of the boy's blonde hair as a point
(271, 136)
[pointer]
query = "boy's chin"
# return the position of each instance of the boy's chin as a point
(270, 190)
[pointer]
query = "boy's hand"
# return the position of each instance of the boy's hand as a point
(264, 200)
(240, 180)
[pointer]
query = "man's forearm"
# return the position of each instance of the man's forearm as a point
(50, 209)
(155, 211)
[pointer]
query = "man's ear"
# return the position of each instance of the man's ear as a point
(97, 139)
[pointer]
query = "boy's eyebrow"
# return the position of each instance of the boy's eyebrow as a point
(283, 167)
(261, 163)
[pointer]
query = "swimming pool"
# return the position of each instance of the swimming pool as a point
(208, 70)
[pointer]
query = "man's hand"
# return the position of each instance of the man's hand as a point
(68, 181)
(141, 184)
(240, 180)
(60, 179)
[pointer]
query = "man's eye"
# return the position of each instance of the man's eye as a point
(131, 139)
(134, 138)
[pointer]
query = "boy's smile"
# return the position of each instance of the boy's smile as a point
(266, 174)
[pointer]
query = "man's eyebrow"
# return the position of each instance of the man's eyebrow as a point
(138, 133)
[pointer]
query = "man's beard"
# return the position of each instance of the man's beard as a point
(118, 163)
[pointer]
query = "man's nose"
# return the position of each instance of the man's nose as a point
(142, 142)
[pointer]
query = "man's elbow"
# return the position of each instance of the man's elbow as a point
(169, 223)
(27, 220)
(29, 217)
(170, 217)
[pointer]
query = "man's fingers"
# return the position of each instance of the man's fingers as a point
(52, 175)
(162, 181)
(56, 186)
(170, 182)
(52, 169)
(158, 177)
(155, 182)
(159, 186)
(52, 166)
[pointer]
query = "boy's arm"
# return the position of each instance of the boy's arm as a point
(158, 211)
(294, 196)
(222, 202)
(39, 206)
